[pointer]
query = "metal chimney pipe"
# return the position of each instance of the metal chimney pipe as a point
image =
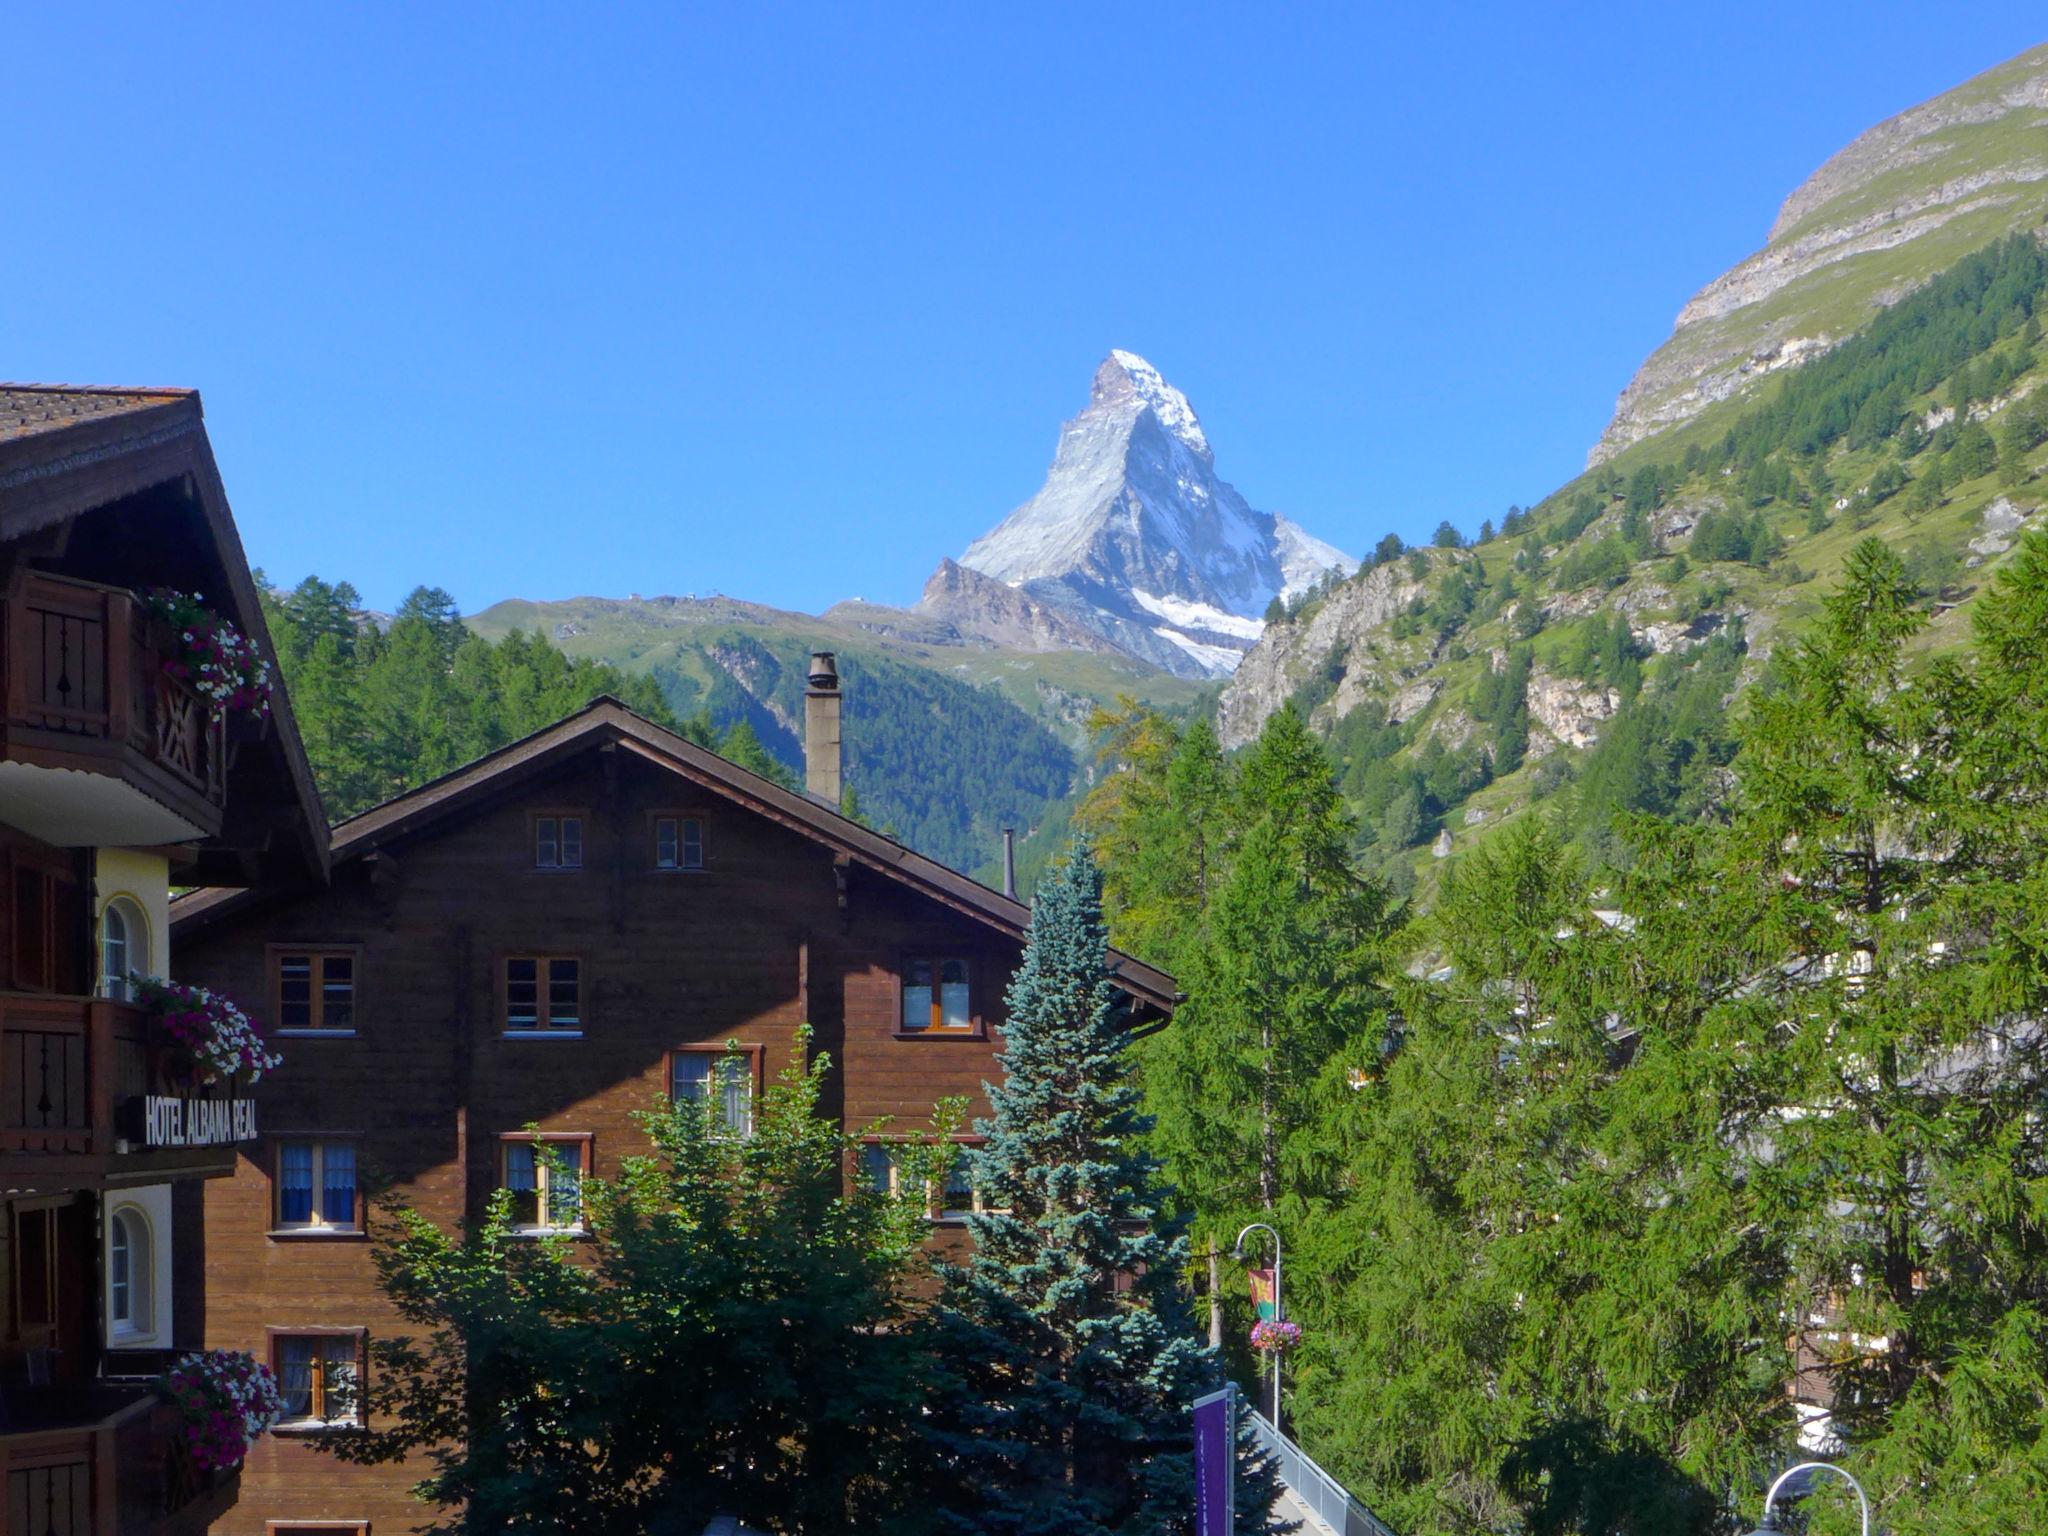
(821, 731)
(1010, 862)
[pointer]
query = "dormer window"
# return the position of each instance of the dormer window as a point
(558, 842)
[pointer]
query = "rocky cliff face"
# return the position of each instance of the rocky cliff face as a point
(1902, 201)
(1335, 633)
(1135, 538)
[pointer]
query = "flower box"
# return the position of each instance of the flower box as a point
(221, 1042)
(223, 1400)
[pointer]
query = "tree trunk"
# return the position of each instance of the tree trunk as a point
(1215, 1298)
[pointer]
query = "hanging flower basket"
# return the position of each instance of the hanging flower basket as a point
(221, 1040)
(217, 659)
(1270, 1338)
(224, 1399)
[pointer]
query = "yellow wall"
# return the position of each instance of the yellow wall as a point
(145, 879)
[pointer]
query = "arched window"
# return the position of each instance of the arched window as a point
(124, 947)
(129, 1268)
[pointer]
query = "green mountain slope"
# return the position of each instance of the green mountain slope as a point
(945, 744)
(1903, 201)
(1586, 658)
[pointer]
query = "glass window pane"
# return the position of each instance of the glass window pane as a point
(295, 1376)
(338, 991)
(563, 1011)
(338, 1185)
(295, 992)
(665, 843)
(959, 1199)
(693, 845)
(294, 1183)
(565, 1185)
(572, 842)
(544, 842)
(953, 1009)
(519, 1166)
(917, 995)
(878, 1167)
(114, 965)
(739, 1095)
(340, 1377)
(690, 1072)
(522, 994)
(119, 1261)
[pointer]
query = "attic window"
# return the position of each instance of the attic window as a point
(678, 842)
(558, 842)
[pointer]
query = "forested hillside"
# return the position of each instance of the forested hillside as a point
(1585, 655)
(1656, 1178)
(937, 763)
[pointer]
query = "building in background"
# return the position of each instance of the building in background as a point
(521, 956)
(119, 778)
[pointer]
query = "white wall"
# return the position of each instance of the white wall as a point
(145, 879)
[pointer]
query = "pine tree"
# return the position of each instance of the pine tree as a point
(1072, 1353)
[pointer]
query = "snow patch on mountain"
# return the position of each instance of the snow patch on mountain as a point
(1217, 660)
(1198, 615)
(1304, 557)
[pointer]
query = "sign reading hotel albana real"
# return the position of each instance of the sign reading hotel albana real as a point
(169, 1121)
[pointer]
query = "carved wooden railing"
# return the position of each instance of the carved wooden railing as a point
(63, 1061)
(85, 662)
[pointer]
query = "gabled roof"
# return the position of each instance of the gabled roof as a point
(133, 468)
(607, 721)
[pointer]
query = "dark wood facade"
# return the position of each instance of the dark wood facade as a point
(795, 916)
(113, 770)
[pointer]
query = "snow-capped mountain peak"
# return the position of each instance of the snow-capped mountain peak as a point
(1134, 536)
(1150, 386)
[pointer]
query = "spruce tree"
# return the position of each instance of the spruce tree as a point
(1072, 1356)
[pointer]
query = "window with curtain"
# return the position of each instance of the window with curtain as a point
(316, 1186)
(545, 1176)
(936, 996)
(319, 1376)
(700, 1075)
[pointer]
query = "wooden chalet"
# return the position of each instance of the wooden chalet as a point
(535, 947)
(117, 779)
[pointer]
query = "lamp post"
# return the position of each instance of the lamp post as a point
(1237, 1253)
(1770, 1525)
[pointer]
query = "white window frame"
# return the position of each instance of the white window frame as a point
(544, 1174)
(320, 1221)
(135, 947)
(723, 1067)
(131, 1241)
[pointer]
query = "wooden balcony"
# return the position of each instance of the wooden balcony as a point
(102, 1460)
(82, 687)
(74, 1074)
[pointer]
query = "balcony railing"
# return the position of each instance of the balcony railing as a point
(101, 1459)
(74, 1074)
(83, 671)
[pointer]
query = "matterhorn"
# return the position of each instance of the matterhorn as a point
(1135, 540)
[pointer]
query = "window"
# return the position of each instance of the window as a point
(543, 993)
(124, 948)
(878, 1168)
(130, 1269)
(545, 1175)
(935, 996)
(558, 842)
(316, 1187)
(320, 1376)
(678, 842)
(693, 1075)
(957, 1200)
(316, 990)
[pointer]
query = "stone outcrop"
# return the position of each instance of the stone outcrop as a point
(1571, 711)
(1292, 651)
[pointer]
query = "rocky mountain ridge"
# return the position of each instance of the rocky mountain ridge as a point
(1876, 220)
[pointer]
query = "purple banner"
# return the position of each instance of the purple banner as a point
(1215, 1463)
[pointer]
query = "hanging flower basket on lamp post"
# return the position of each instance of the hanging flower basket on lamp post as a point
(221, 1042)
(1275, 1338)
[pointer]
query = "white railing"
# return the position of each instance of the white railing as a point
(1324, 1497)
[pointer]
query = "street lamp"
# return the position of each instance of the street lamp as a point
(1237, 1253)
(1770, 1526)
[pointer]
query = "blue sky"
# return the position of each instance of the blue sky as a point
(787, 302)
